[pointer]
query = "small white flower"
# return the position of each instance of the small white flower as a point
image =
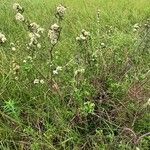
(16, 78)
(40, 30)
(85, 33)
(34, 27)
(102, 44)
(136, 26)
(37, 35)
(38, 45)
(82, 37)
(24, 61)
(13, 49)
(31, 35)
(28, 47)
(55, 72)
(29, 57)
(12, 44)
(34, 35)
(59, 68)
(2, 38)
(19, 17)
(42, 81)
(82, 70)
(36, 81)
(134, 30)
(17, 67)
(52, 34)
(78, 39)
(33, 42)
(54, 41)
(55, 27)
(17, 7)
(33, 39)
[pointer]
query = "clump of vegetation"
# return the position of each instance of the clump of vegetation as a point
(80, 80)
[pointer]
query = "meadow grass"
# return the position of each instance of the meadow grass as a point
(99, 100)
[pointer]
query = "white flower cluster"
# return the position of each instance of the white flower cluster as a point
(19, 17)
(34, 40)
(83, 36)
(37, 81)
(19, 11)
(34, 27)
(17, 7)
(61, 11)
(35, 34)
(59, 68)
(2, 38)
(54, 33)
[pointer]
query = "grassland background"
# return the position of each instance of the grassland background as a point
(38, 121)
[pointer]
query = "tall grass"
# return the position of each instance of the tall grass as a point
(90, 93)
